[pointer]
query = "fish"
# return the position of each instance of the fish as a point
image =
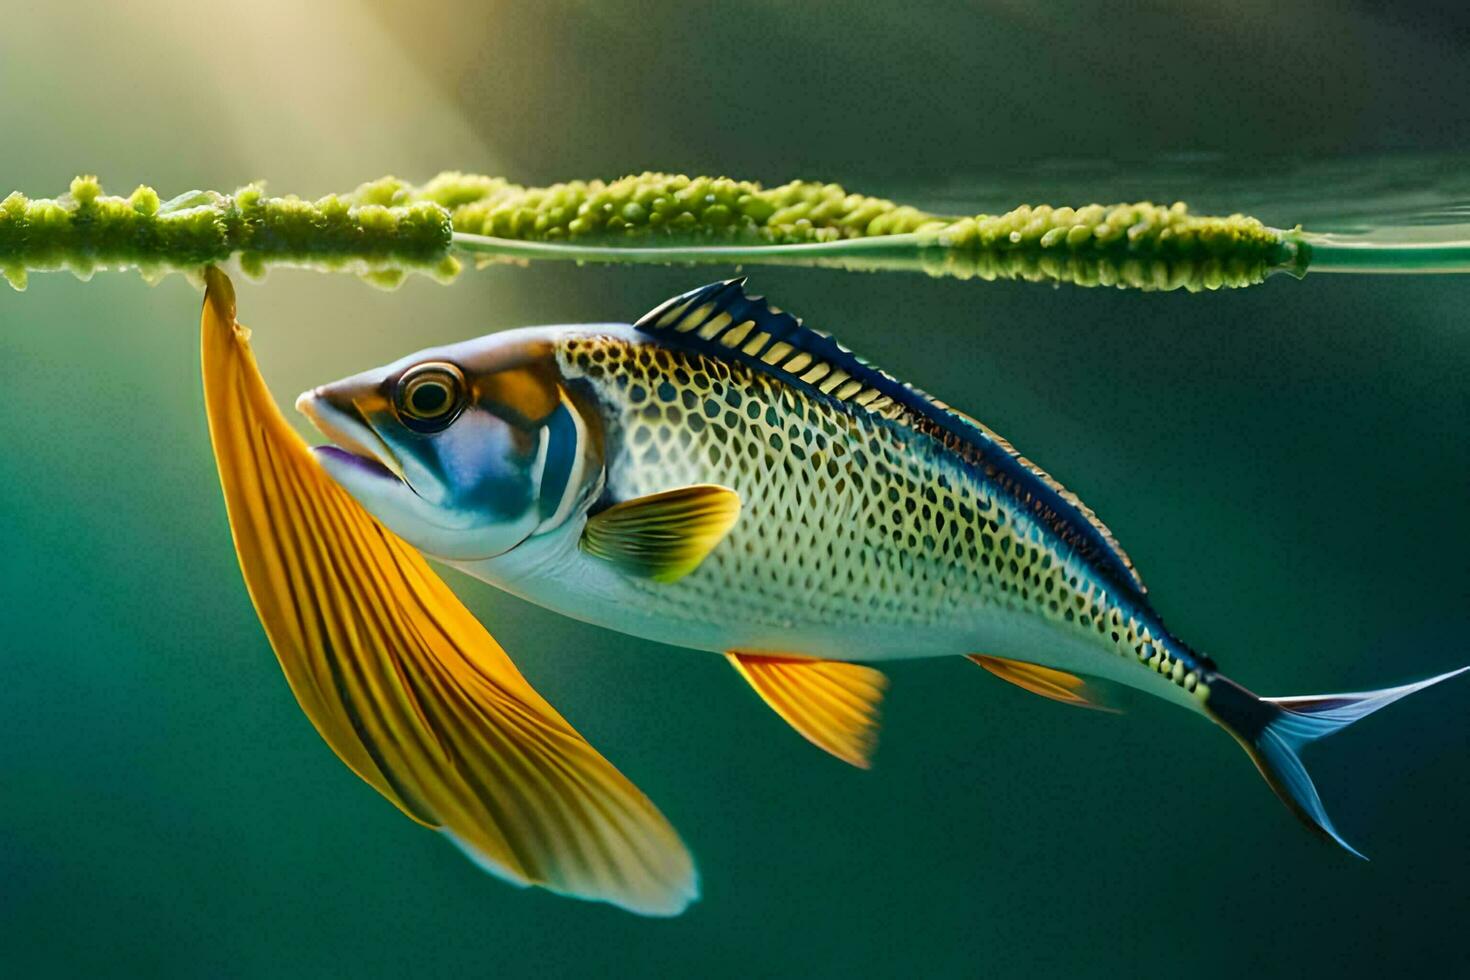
(721, 477)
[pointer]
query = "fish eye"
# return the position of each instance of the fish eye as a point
(429, 396)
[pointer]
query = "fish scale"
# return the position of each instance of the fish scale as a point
(849, 517)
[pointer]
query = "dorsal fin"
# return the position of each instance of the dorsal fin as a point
(721, 321)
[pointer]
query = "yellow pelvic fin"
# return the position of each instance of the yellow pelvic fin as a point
(403, 682)
(1049, 683)
(663, 536)
(833, 705)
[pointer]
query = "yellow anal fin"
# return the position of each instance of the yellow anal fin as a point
(663, 536)
(834, 705)
(403, 682)
(1057, 685)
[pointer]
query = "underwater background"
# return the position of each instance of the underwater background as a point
(1288, 464)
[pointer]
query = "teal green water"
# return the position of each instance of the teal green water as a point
(1287, 464)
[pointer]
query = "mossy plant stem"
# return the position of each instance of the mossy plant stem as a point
(388, 229)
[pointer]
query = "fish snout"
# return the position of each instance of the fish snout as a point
(336, 415)
(325, 402)
(306, 403)
(330, 415)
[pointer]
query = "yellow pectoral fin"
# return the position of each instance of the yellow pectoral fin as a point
(833, 705)
(663, 536)
(403, 682)
(1045, 681)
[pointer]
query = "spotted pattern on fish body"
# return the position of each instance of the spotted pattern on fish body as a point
(722, 319)
(853, 515)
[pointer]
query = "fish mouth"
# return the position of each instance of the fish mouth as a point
(362, 463)
(356, 442)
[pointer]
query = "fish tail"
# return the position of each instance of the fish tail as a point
(1274, 730)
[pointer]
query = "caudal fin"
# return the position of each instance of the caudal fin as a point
(1274, 730)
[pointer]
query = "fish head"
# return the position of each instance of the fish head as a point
(464, 451)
